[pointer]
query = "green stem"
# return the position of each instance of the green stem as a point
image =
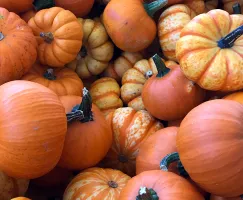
(42, 4)
(82, 112)
(49, 74)
(236, 8)
(1, 36)
(47, 37)
(153, 7)
(160, 65)
(147, 194)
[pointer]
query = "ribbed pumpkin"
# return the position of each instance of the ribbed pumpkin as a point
(210, 5)
(96, 184)
(124, 62)
(228, 5)
(170, 24)
(134, 79)
(96, 51)
(210, 57)
(156, 184)
(105, 93)
(88, 133)
(237, 96)
(130, 129)
(18, 46)
(11, 187)
(62, 81)
(59, 37)
(32, 141)
(155, 148)
(213, 197)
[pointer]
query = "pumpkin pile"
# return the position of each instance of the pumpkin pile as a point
(121, 99)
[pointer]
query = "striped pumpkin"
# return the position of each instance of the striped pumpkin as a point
(96, 184)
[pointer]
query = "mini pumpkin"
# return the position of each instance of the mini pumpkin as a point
(237, 96)
(87, 133)
(105, 93)
(11, 187)
(59, 37)
(210, 57)
(169, 95)
(62, 81)
(109, 182)
(124, 62)
(18, 46)
(133, 81)
(130, 129)
(32, 141)
(96, 51)
(16, 6)
(20, 198)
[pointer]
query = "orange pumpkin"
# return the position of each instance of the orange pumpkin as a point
(62, 81)
(169, 95)
(16, 6)
(237, 96)
(210, 57)
(105, 93)
(18, 46)
(88, 133)
(228, 5)
(156, 147)
(213, 197)
(11, 187)
(156, 184)
(20, 198)
(96, 184)
(32, 141)
(130, 129)
(124, 62)
(59, 37)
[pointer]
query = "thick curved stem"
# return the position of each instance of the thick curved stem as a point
(147, 194)
(49, 74)
(160, 65)
(47, 37)
(82, 112)
(1, 36)
(42, 4)
(236, 8)
(228, 40)
(153, 7)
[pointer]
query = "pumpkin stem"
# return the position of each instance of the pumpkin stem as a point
(82, 112)
(48, 37)
(1, 36)
(49, 74)
(42, 4)
(236, 8)
(112, 184)
(153, 7)
(160, 65)
(122, 158)
(148, 74)
(147, 194)
(170, 158)
(228, 40)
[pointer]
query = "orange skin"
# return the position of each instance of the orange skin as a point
(167, 185)
(128, 25)
(86, 143)
(237, 96)
(16, 6)
(20, 198)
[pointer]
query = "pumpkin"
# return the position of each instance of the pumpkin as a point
(32, 141)
(169, 95)
(96, 184)
(62, 81)
(130, 129)
(88, 133)
(124, 62)
(11, 187)
(228, 5)
(198, 6)
(155, 148)
(20, 198)
(237, 96)
(156, 184)
(133, 81)
(59, 37)
(213, 197)
(210, 57)
(96, 51)
(105, 93)
(26, 16)
(16, 6)
(78, 7)
(210, 5)
(214, 148)
(18, 46)
(56, 177)
(170, 24)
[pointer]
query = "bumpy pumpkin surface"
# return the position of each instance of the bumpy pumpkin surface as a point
(207, 56)
(96, 184)
(18, 46)
(59, 37)
(130, 129)
(62, 81)
(96, 51)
